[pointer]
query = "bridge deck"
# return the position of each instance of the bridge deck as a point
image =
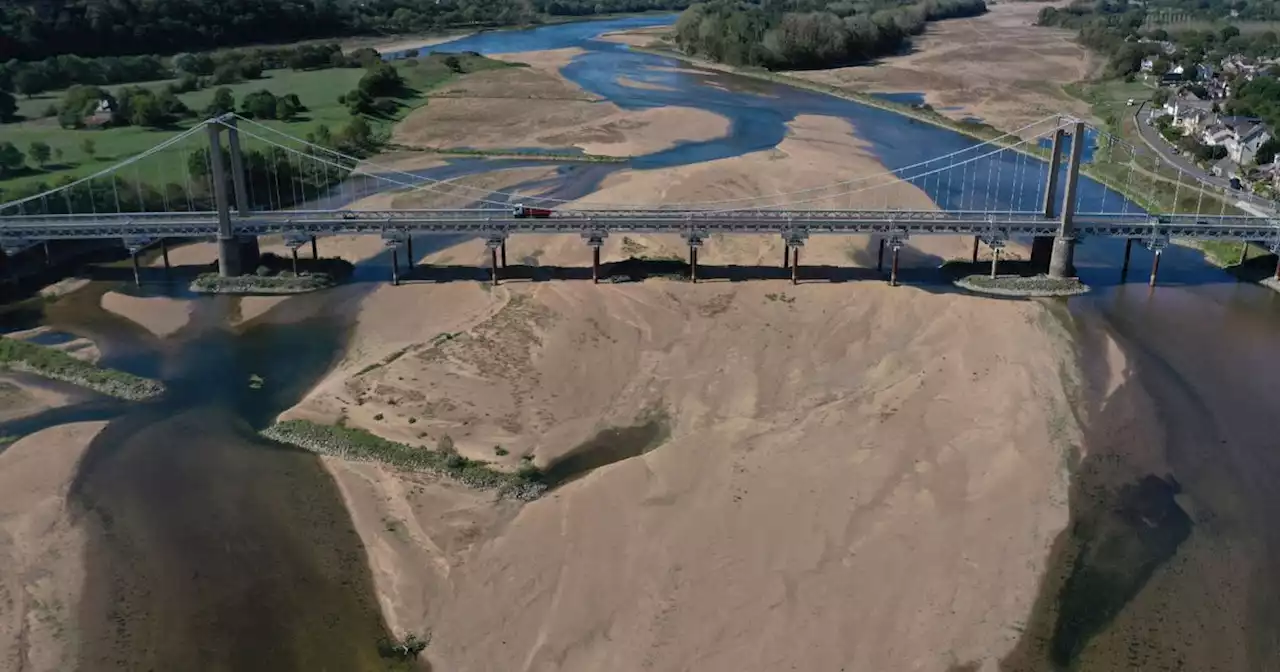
(603, 222)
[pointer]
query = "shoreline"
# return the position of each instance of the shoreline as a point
(25, 357)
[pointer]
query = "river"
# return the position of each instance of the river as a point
(219, 551)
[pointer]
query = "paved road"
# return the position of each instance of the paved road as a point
(1160, 146)
(1151, 136)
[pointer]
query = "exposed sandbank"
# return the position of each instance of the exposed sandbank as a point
(999, 67)
(910, 431)
(41, 550)
(160, 315)
(536, 107)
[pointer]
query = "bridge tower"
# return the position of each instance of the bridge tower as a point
(1042, 246)
(235, 253)
(1062, 262)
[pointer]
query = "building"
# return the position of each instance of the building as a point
(1246, 139)
(1189, 112)
(1226, 169)
(1215, 134)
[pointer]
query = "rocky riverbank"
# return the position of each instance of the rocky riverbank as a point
(359, 445)
(17, 355)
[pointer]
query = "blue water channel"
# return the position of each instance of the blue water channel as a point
(759, 112)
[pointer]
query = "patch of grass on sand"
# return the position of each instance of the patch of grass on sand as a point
(317, 89)
(275, 276)
(20, 355)
(1019, 279)
(350, 443)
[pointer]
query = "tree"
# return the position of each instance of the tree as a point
(8, 107)
(39, 152)
(222, 103)
(288, 106)
(1228, 32)
(30, 81)
(145, 110)
(259, 105)
(1160, 97)
(1267, 152)
(453, 63)
(79, 101)
(89, 147)
(381, 80)
(10, 158)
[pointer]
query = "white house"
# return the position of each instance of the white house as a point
(1247, 138)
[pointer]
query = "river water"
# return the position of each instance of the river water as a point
(219, 551)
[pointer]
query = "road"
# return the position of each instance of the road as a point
(1178, 162)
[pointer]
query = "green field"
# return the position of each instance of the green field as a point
(317, 89)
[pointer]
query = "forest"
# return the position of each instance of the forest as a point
(92, 28)
(799, 34)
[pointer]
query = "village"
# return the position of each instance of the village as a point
(1194, 118)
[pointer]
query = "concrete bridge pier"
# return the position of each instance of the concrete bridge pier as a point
(395, 267)
(1156, 245)
(294, 251)
(880, 258)
(786, 255)
(595, 240)
(1062, 262)
(164, 252)
(409, 259)
(1124, 268)
(975, 249)
(795, 265)
(895, 244)
(503, 253)
(1042, 246)
(1244, 253)
(137, 275)
(315, 254)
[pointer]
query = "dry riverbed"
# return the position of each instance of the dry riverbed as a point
(536, 107)
(919, 437)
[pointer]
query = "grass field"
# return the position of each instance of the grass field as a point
(317, 89)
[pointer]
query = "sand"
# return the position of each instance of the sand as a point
(387, 45)
(160, 315)
(857, 476)
(640, 37)
(19, 398)
(41, 550)
(536, 107)
(999, 67)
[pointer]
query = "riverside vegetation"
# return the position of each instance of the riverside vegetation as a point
(17, 355)
(276, 275)
(350, 443)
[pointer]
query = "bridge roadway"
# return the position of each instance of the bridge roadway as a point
(15, 231)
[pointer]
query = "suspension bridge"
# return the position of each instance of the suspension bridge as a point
(234, 179)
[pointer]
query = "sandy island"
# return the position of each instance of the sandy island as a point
(999, 67)
(41, 549)
(536, 107)
(857, 475)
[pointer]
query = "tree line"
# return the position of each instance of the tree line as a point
(1115, 29)
(94, 28)
(798, 34)
(197, 70)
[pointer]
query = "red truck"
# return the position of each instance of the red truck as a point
(522, 211)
